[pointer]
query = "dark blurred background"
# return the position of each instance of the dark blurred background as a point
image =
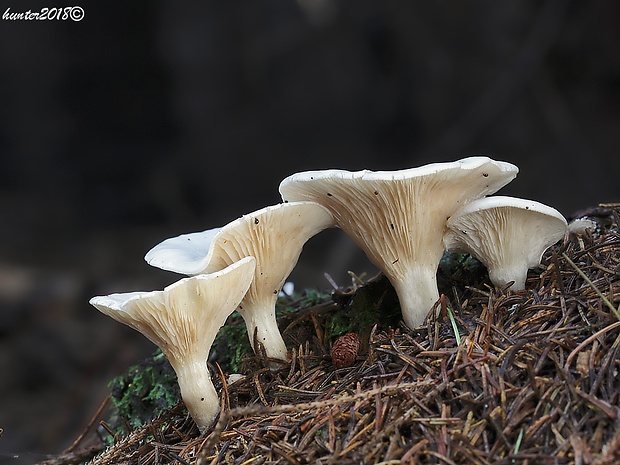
(151, 119)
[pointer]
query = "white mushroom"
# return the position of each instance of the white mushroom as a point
(398, 217)
(508, 235)
(183, 321)
(275, 235)
(581, 225)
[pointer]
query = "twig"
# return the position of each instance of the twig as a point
(92, 421)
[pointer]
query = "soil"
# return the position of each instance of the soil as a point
(497, 377)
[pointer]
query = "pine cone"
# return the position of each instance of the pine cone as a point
(344, 350)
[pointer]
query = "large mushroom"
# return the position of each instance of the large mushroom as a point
(508, 235)
(398, 217)
(183, 321)
(275, 235)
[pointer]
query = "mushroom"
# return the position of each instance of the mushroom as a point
(508, 235)
(398, 217)
(581, 225)
(183, 321)
(275, 235)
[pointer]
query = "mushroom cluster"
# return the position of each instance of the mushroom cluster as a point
(274, 236)
(403, 220)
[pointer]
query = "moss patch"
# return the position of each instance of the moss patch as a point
(142, 393)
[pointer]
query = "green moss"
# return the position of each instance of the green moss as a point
(339, 323)
(232, 344)
(459, 265)
(300, 300)
(145, 391)
(374, 303)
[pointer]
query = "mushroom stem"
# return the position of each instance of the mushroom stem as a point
(501, 275)
(198, 392)
(261, 320)
(417, 293)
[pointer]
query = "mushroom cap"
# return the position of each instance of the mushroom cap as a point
(184, 254)
(184, 318)
(274, 235)
(507, 234)
(581, 225)
(398, 216)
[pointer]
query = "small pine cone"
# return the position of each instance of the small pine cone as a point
(344, 350)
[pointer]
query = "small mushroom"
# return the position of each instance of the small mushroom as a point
(275, 235)
(398, 217)
(581, 225)
(508, 235)
(183, 321)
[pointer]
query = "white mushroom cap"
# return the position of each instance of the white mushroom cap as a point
(398, 217)
(275, 235)
(183, 321)
(508, 235)
(185, 254)
(581, 225)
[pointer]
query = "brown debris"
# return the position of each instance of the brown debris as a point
(533, 381)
